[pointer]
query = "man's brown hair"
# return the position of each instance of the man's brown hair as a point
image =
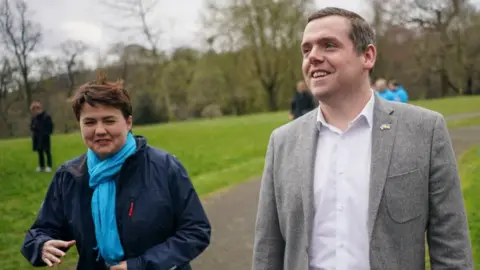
(361, 33)
(100, 91)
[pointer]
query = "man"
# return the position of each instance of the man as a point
(302, 102)
(398, 90)
(41, 126)
(356, 183)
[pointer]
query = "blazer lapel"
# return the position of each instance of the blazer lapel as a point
(306, 163)
(383, 137)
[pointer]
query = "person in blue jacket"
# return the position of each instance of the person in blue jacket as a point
(123, 204)
(383, 91)
(399, 91)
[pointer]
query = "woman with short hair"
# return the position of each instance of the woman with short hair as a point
(124, 204)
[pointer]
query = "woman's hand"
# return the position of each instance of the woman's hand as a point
(120, 266)
(51, 251)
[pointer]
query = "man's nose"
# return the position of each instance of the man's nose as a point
(316, 56)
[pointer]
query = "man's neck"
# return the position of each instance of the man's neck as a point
(339, 111)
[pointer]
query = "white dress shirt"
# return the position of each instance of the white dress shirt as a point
(341, 190)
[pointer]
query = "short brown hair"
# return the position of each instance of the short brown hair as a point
(361, 33)
(100, 91)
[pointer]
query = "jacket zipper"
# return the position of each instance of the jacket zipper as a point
(130, 210)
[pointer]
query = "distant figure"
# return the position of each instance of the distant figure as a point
(41, 127)
(383, 91)
(302, 102)
(400, 94)
(124, 204)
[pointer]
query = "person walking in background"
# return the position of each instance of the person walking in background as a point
(302, 102)
(399, 91)
(41, 127)
(124, 204)
(360, 182)
(383, 91)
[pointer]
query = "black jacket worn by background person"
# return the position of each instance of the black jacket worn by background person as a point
(41, 127)
(160, 219)
(302, 103)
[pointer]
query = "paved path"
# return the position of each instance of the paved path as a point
(462, 116)
(232, 214)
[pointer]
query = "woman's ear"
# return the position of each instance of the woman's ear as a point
(129, 123)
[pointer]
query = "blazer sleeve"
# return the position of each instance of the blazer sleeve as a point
(49, 224)
(193, 230)
(269, 245)
(447, 232)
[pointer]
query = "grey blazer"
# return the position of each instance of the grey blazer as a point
(415, 189)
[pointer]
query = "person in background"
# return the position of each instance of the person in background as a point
(383, 91)
(124, 204)
(41, 127)
(302, 102)
(399, 91)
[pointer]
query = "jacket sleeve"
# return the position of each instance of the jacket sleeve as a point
(269, 244)
(293, 104)
(48, 125)
(447, 232)
(49, 224)
(193, 228)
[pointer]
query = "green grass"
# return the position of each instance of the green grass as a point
(451, 106)
(470, 175)
(467, 122)
(216, 153)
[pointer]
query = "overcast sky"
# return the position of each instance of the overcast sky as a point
(87, 20)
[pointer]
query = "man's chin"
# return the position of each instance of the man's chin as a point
(321, 92)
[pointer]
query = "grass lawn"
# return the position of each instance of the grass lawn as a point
(470, 175)
(217, 154)
(466, 122)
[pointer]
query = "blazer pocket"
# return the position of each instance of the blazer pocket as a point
(404, 195)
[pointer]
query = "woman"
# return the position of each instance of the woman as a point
(124, 204)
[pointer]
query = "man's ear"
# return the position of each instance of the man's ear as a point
(369, 57)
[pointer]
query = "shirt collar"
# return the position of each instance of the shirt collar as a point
(366, 113)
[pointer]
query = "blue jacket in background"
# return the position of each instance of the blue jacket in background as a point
(401, 94)
(387, 95)
(160, 219)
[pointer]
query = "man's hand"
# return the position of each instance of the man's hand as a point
(51, 252)
(290, 116)
(120, 266)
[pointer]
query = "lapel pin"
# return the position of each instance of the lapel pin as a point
(385, 127)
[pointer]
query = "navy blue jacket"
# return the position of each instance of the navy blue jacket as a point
(160, 219)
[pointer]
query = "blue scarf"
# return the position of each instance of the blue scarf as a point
(103, 200)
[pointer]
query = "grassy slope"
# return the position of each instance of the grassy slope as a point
(470, 175)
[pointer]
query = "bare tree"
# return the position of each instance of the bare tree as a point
(6, 92)
(141, 13)
(72, 51)
(20, 36)
(268, 30)
(436, 17)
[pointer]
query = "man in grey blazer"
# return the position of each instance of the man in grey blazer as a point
(357, 182)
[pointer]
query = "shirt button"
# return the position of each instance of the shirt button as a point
(340, 208)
